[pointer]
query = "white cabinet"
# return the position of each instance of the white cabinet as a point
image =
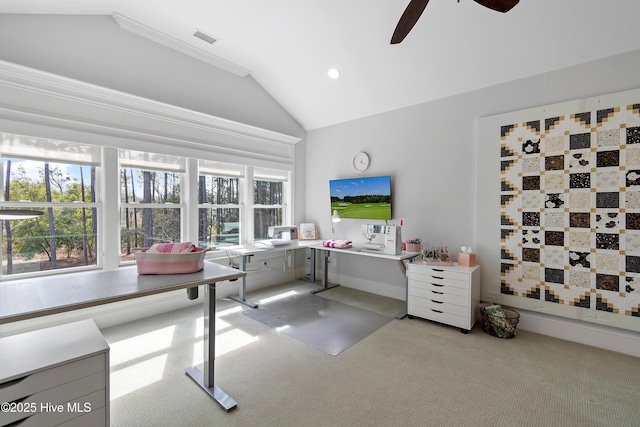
(55, 376)
(445, 294)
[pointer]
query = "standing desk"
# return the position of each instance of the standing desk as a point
(245, 252)
(34, 297)
(402, 258)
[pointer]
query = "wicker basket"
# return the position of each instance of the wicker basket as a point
(503, 327)
(155, 263)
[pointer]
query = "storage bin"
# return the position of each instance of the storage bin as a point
(157, 263)
(413, 247)
(499, 321)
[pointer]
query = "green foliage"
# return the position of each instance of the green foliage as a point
(73, 226)
(30, 237)
(144, 226)
(362, 210)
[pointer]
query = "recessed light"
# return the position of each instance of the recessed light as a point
(334, 73)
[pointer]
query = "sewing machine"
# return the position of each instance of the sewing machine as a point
(386, 239)
(283, 234)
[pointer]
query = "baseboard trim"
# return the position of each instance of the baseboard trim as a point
(605, 337)
(383, 289)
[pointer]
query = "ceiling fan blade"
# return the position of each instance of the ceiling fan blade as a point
(498, 5)
(408, 20)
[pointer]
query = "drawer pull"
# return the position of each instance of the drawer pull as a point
(437, 293)
(438, 285)
(438, 269)
(437, 311)
(436, 277)
(437, 302)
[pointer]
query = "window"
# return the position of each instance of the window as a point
(150, 201)
(269, 207)
(228, 204)
(220, 198)
(225, 193)
(218, 211)
(65, 235)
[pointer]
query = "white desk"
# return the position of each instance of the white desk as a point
(245, 252)
(34, 297)
(403, 257)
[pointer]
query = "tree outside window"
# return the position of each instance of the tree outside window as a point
(150, 209)
(268, 206)
(218, 211)
(65, 236)
(61, 179)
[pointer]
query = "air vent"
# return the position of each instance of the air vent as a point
(204, 36)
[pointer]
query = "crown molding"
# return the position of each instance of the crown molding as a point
(147, 32)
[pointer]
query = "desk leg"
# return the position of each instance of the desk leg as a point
(325, 273)
(312, 265)
(243, 284)
(205, 379)
(402, 314)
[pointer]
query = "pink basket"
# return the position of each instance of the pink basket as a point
(155, 263)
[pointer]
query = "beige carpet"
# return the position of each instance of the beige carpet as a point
(408, 373)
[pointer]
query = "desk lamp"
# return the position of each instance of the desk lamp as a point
(11, 214)
(335, 218)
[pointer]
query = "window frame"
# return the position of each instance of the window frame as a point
(109, 205)
(151, 166)
(240, 205)
(94, 206)
(271, 175)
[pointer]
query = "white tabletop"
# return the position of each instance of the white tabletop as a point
(266, 245)
(361, 250)
(41, 296)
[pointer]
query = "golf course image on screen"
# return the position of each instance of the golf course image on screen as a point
(364, 198)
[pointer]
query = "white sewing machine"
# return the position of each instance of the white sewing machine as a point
(386, 239)
(283, 234)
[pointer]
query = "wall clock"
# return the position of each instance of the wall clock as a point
(361, 161)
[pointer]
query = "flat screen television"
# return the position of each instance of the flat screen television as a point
(364, 197)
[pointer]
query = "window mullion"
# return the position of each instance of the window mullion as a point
(247, 232)
(110, 191)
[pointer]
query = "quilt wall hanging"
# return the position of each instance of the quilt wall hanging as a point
(569, 210)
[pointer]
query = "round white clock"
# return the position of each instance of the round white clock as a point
(361, 161)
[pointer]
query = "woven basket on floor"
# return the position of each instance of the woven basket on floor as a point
(508, 325)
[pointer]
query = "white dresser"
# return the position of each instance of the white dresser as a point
(445, 294)
(55, 376)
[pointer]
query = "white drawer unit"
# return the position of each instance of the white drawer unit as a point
(55, 376)
(445, 294)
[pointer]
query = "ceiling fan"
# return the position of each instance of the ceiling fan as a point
(416, 7)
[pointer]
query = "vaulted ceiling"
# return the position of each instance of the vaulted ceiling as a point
(289, 45)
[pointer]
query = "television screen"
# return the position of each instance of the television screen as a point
(364, 198)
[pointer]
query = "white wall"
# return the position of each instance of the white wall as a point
(420, 148)
(430, 150)
(94, 49)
